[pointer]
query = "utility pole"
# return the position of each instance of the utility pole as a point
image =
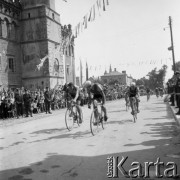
(172, 44)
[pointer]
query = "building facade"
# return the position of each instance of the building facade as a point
(32, 49)
(116, 77)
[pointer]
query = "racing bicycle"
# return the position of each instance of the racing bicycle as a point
(72, 116)
(97, 118)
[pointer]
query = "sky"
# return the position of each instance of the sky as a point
(129, 35)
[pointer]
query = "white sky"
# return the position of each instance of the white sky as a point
(129, 35)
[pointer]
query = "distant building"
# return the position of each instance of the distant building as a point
(32, 49)
(115, 76)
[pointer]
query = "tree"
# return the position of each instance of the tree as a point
(156, 78)
(177, 65)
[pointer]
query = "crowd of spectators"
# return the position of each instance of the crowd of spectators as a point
(173, 89)
(24, 103)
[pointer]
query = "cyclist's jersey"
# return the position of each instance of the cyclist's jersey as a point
(133, 91)
(97, 89)
(156, 90)
(71, 93)
(148, 90)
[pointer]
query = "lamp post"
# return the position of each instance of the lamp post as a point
(172, 44)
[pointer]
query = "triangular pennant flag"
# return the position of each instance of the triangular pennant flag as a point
(90, 14)
(104, 6)
(94, 13)
(99, 6)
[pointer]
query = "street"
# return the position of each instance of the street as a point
(43, 149)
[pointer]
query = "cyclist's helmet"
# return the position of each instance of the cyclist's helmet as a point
(70, 84)
(87, 84)
(133, 84)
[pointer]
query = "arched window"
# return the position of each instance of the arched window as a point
(72, 50)
(1, 27)
(13, 30)
(56, 65)
(7, 28)
(69, 50)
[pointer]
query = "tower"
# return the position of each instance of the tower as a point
(42, 61)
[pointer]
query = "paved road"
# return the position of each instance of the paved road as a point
(43, 149)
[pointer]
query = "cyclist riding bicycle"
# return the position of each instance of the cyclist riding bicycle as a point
(73, 93)
(95, 92)
(134, 92)
(126, 95)
(148, 92)
(157, 92)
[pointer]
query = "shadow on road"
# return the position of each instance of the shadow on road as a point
(62, 167)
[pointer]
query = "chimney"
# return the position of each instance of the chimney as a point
(124, 72)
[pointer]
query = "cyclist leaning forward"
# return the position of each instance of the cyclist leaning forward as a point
(133, 92)
(73, 93)
(95, 92)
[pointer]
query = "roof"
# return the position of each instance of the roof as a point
(113, 73)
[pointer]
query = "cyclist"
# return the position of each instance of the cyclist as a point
(134, 92)
(161, 92)
(157, 92)
(148, 92)
(73, 93)
(95, 92)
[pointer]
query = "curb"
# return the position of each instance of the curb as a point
(176, 117)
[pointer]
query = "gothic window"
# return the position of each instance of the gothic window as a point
(69, 50)
(11, 64)
(13, 30)
(0, 63)
(56, 66)
(53, 15)
(72, 50)
(0, 27)
(7, 25)
(29, 15)
(67, 69)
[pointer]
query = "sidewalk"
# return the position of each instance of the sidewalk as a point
(174, 111)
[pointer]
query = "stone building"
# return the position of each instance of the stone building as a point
(35, 49)
(116, 77)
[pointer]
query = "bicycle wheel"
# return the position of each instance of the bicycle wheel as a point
(69, 119)
(78, 117)
(94, 125)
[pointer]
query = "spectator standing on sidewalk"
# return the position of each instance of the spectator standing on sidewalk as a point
(177, 90)
(18, 103)
(27, 103)
(47, 100)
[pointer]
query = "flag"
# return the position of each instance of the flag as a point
(107, 1)
(41, 62)
(104, 7)
(87, 73)
(170, 48)
(85, 21)
(94, 13)
(90, 14)
(80, 72)
(99, 6)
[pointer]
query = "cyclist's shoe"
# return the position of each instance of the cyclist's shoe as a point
(132, 113)
(105, 118)
(80, 121)
(95, 123)
(71, 114)
(138, 111)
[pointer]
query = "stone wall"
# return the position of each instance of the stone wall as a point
(10, 50)
(34, 3)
